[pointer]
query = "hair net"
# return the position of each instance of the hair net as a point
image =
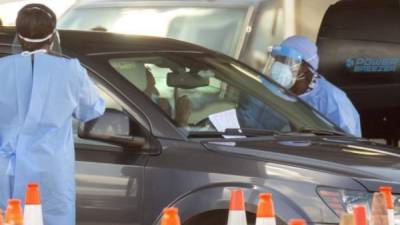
(306, 47)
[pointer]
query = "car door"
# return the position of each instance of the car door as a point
(109, 179)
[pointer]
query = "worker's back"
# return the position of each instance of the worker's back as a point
(57, 86)
(39, 96)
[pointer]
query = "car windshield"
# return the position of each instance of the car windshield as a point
(199, 25)
(211, 93)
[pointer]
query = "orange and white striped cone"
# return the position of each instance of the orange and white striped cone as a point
(379, 212)
(347, 219)
(33, 214)
(237, 212)
(14, 214)
(265, 210)
(297, 222)
(1, 218)
(387, 191)
(170, 217)
(360, 215)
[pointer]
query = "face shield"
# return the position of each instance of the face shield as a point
(283, 66)
(54, 48)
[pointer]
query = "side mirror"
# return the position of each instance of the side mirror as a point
(113, 127)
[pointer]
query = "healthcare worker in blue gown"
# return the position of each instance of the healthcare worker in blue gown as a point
(40, 94)
(294, 64)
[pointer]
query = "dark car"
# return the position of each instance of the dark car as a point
(185, 125)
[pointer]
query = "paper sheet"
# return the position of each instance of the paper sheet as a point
(225, 120)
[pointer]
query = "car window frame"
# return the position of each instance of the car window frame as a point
(184, 133)
(159, 125)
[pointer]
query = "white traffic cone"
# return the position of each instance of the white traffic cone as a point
(170, 217)
(347, 219)
(237, 212)
(1, 218)
(33, 214)
(14, 214)
(379, 212)
(387, 191)
(297, 222)
(265, 210)
(360, 215)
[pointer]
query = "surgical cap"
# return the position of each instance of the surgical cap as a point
(306, 47)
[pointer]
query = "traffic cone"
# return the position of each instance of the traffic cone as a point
(265, 210)
(237, 213)
(379, 213)
(297, 222)
(360, 215)
(14, 212)
(170, 217)
(33, 214)
(347, 219)
(1, 218)
(387, 191)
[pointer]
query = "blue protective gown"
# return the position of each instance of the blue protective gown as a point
(334, 104)
(38, 100)
(254, 114)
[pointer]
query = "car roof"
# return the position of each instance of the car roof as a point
(121, 3)
(89, 42)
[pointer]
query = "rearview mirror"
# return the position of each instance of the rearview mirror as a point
(186, 81)
(113, 127)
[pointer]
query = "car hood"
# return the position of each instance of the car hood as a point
(357, 158)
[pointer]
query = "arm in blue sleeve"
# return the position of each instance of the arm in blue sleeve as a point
(350, 121)
(89, 104)
(347, 117)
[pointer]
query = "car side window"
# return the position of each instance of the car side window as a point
(186, 105)
(190, 92)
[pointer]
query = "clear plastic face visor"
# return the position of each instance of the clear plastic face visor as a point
(284, 55)
(55, 44)
(283, 65)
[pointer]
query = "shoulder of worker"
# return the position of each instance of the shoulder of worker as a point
(331, 89)
(60, 58)
(73, 64)
(8, 59)
(54, 57)
(336, 96)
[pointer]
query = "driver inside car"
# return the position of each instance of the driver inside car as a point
(183, 105)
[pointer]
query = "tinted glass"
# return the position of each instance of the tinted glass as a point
(201, 92)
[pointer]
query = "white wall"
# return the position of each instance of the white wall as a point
(9, 9)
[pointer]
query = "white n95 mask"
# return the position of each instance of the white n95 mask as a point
(282, 74)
